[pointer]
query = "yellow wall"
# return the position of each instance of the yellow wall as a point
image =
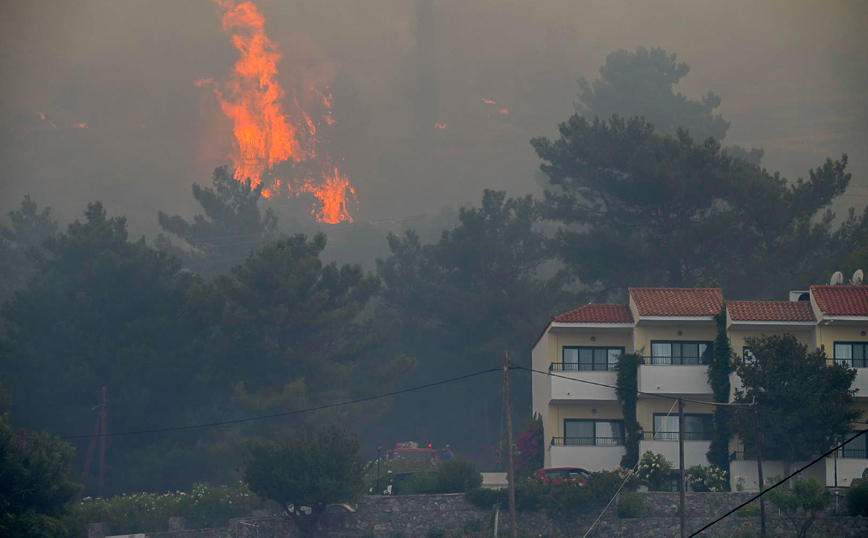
(603, 339)
(644, 335)
(558, 413)
(738, 336)
(829, 334)
(646, 408)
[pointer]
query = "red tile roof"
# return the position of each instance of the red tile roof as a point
(770, 310)
(596, 313)
(841, 300)
(677, 301)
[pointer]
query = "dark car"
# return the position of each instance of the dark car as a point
(559, 475)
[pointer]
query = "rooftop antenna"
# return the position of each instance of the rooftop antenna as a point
(858, 278)
(837, 279)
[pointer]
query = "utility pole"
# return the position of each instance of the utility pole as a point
(379, 448)
(100, 431)
(103, 440)
(759, 466)
(681, 504)
(510, 477)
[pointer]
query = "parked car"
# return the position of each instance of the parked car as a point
(559, 475)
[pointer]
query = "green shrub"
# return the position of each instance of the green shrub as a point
(631, 505)
(485, 498)
(750, 510)
(458, 475)
(603, 485)
(704, 479)
(205, 506)
(475, 525)
(857, 500)
(436, 533)
(656, 470)
(567, 500)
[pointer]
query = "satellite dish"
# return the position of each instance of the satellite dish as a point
(837, 279)
(858, 277)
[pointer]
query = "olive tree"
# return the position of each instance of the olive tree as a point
(307, 473)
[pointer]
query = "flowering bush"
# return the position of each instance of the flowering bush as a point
(655, 469)
(711, 478)
(205, 506)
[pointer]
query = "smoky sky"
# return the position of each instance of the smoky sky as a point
(126, 124)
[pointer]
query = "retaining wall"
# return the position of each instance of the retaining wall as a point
(418, 516)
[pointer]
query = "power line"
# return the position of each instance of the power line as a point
(655, 395)
(761, 493)
(287, 413)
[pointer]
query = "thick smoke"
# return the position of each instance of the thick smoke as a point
(792, 76)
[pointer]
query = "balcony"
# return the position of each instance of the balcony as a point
(861, 367)
(660, 377)
(565, 389)
(593, 454)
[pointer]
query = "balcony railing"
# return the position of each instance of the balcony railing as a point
(587, 441)
(580, 367)
(855, 453)
(677, 361)
(673, 436)
(850, 363)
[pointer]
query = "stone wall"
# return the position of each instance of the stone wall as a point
(420, 516)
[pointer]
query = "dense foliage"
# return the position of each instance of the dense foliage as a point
(307, 473)
(205, 506)
(718, 377)
(20, 241)
(782, 376)
(707, 478)
(566, 499)
(35, 490)
(857, 499)
(627, 392)
(655, 470)
(231, 227)
(640, 208)
(641, 84)
(802, 504)
(464, 301)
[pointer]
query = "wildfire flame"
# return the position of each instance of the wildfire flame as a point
(488, 101)
(503, 111)
(265, 134)
(440, 126)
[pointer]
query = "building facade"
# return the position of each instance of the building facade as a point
(674, 330)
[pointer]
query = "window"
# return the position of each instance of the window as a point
(857, 448)
(591, 358)
(853, 354)
(696, 427)
(677, 352)
(593, 432)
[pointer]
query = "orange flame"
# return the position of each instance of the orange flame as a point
(503, 111)
(440, 126)
(488, 101)
(81, 125)
(265, 134)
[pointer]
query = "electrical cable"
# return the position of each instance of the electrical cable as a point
(715, 404)
(286, 413)
(783, 480)
(624, 483)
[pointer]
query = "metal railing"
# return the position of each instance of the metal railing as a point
(678, 361)
(850, 363)
(853, 453)
(844, 453)
(673, 436)
(587, 441)
(580, 367)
